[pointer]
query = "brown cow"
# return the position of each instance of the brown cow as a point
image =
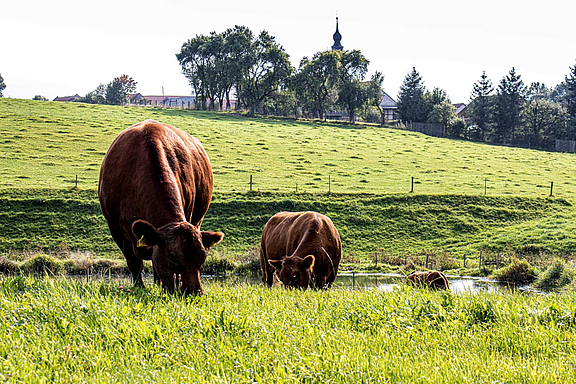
(154, 190)
(429, 279)
(296, 245)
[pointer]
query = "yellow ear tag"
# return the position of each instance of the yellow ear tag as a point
(141, 242)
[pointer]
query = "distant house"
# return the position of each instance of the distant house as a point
(461, 111)
(170, 101)
(76, 97)
(389, 107)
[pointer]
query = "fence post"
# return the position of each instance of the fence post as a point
(412, 185)
(329, 184)
(427, 260)
(296, 187)
(464, 260)
(551, 188)
(250, 182)
(376, 259)
(498, 259)
(485, 182)
(76, 182)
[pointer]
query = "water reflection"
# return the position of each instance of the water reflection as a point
(385, 282)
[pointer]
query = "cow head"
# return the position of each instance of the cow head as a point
(294, 271)
(178, 251)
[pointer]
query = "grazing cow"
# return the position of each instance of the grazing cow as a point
(429, 279)
(297, 245)
(155, 188)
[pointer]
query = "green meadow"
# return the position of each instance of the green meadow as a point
(83, 329)
(466, 196)
(62, 330)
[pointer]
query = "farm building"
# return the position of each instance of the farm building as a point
(76, 97)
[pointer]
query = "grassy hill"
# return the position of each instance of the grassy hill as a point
(45, 145)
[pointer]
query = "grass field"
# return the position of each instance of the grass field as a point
(80, 330)
(71, 331)
(45, 145)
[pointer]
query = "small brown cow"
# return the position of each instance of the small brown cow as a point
(298, 246)
(429, 279)
(155, 188)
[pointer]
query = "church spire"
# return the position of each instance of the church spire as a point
(337, 37)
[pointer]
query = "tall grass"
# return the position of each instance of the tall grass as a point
(62, 331)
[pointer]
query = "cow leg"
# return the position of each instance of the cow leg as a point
(267, 270)
(135, 264)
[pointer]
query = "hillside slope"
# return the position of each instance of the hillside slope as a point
(45, 145)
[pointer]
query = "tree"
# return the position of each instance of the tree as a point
(119, 90)
(481, 106)
(39, 97)
(315, 81)
(570, 100)
(538, 90)
(98, 96)
(411, 102)
(351, 90)
(443, 113)
(375, 94)
(2, 85)
(511, 95)
(269, 71)
(237, 41)
(543, 120)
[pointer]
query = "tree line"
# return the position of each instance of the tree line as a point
(512, 114)
(258, 69)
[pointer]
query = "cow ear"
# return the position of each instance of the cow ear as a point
(276, 264)
(308, 261)
(211, 238)
(146, 233)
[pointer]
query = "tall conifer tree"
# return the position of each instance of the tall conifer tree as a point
(411, 102)
(510, 99)
(481, 105)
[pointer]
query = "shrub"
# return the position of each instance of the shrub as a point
(250, 268)
(216, 266)
(106, 266)
(8, 266)
(518, 271)
(42, 264)
(557, 275)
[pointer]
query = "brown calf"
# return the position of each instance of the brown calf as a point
(299, 246)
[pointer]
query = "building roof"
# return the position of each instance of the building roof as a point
(387, 102)
(459, 107)
(67, 98)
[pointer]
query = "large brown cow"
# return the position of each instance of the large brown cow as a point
(296, 245)
(155, 188)
(428, 279)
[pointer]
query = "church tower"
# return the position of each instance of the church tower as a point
(337, 37)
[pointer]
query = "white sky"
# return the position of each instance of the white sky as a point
(63, 47)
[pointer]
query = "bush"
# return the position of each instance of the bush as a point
(557, 275)
(216, 266)
(8, 266)
(456, 128)
(43, 264)
(250, 268)
(518, 271)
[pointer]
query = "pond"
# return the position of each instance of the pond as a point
(387, 282)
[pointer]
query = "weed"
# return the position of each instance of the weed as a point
(518, 271)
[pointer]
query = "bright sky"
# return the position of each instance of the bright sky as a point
(63, 47)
